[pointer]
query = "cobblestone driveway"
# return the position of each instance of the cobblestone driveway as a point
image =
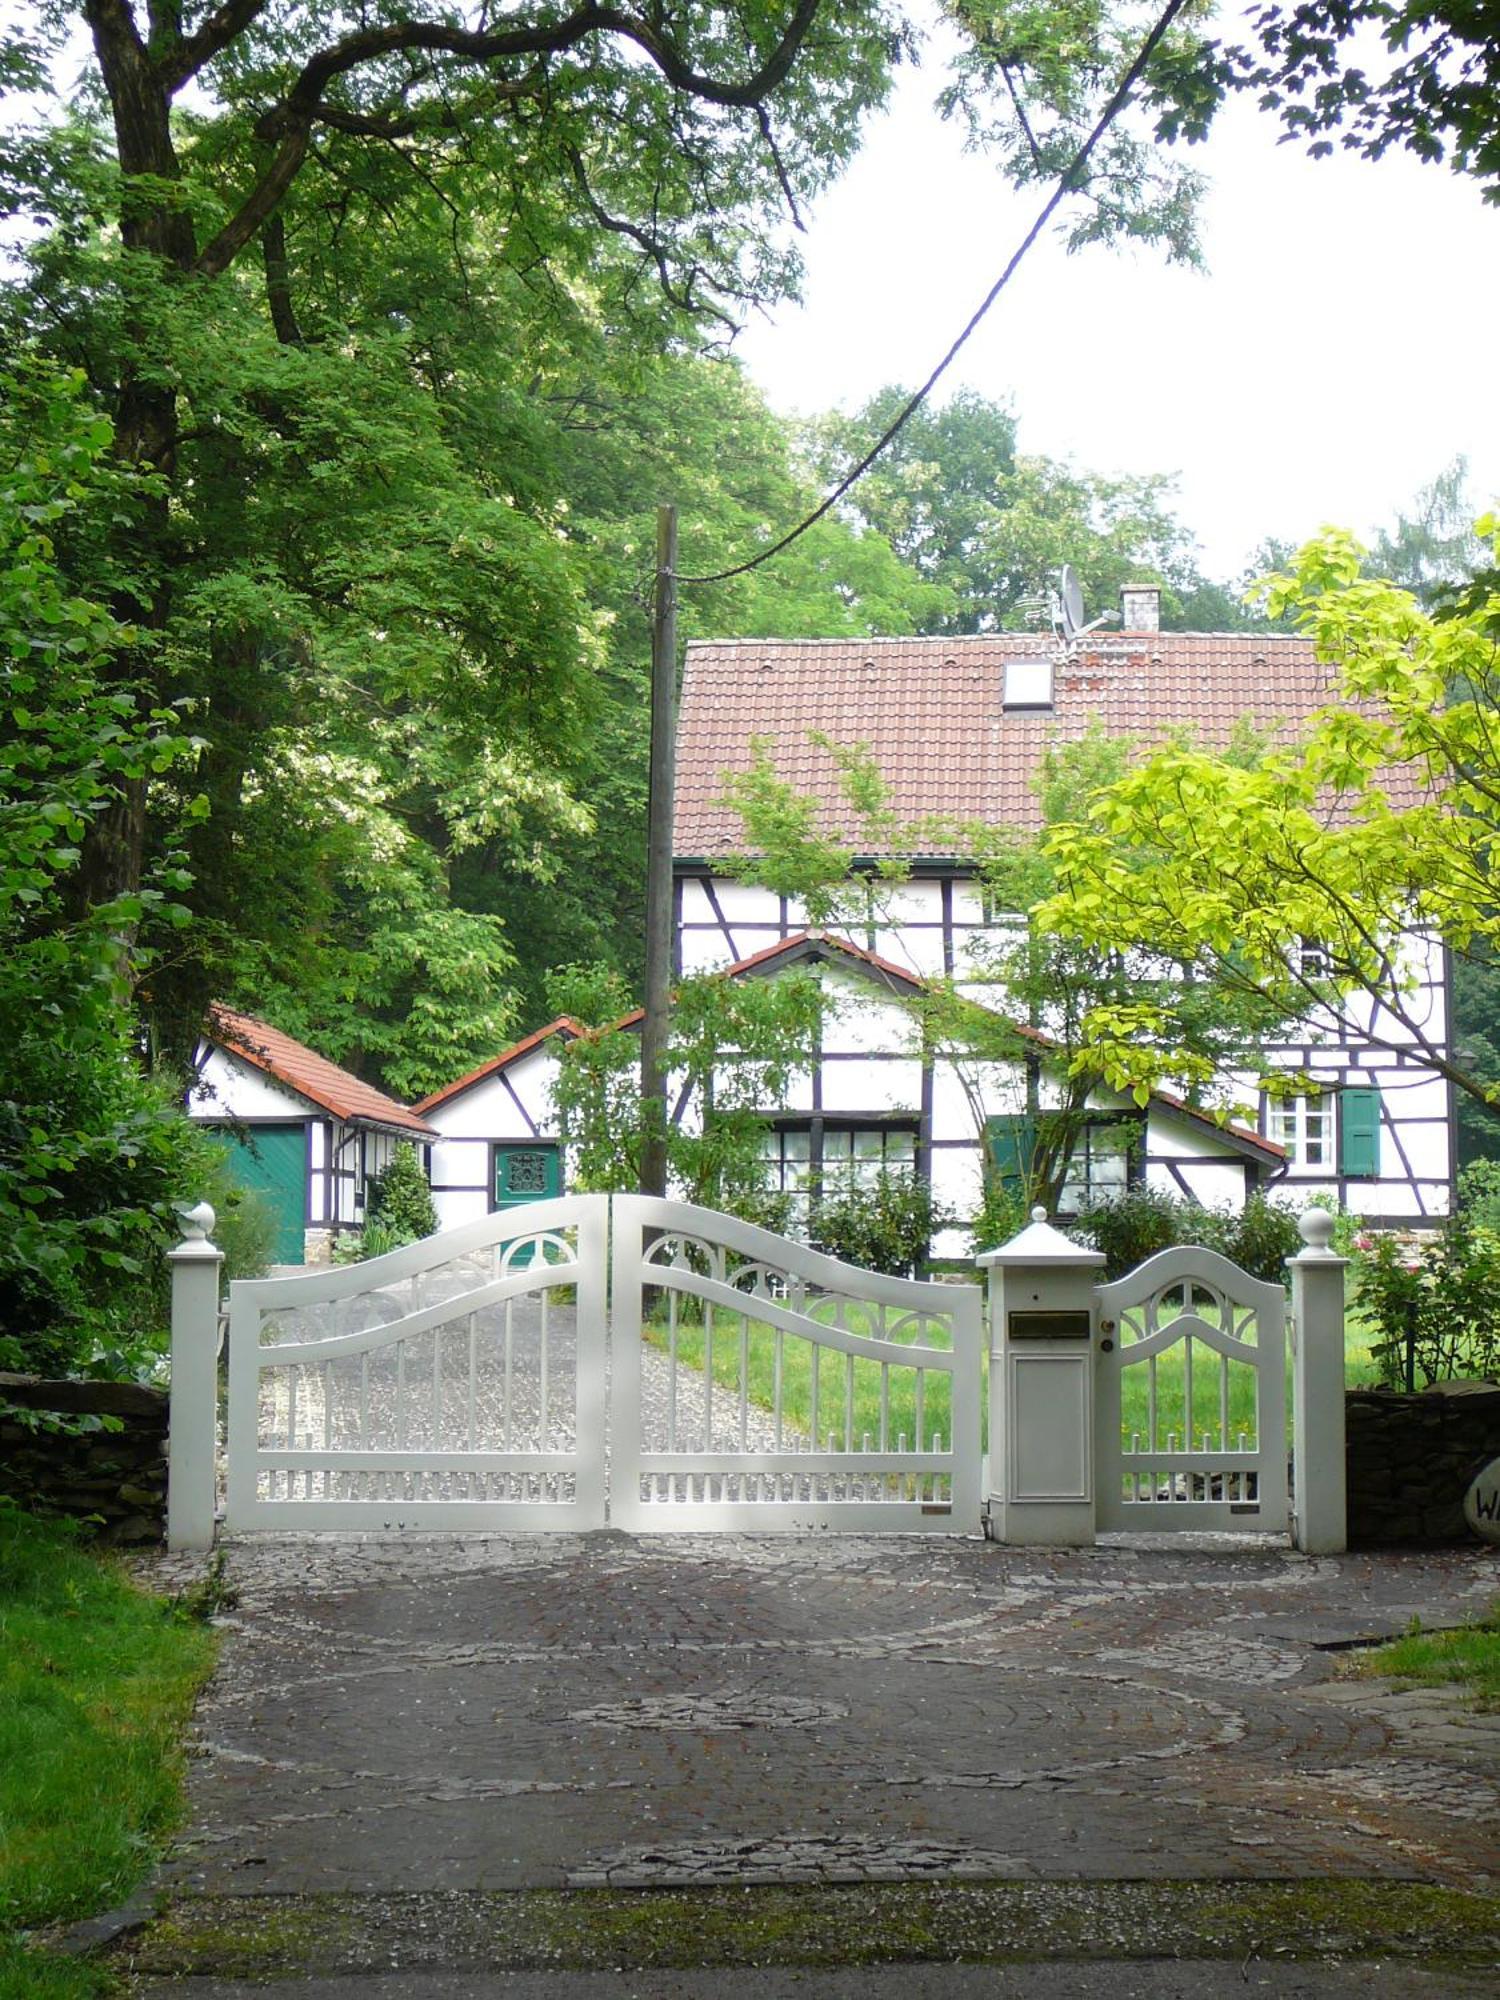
(489, 1714)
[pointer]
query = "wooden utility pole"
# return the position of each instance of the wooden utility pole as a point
(659, 857)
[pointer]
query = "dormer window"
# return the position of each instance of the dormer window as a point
(1027, 684)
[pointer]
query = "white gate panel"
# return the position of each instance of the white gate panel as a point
(456, 1383)
(1190, 1397)
(776, 1388)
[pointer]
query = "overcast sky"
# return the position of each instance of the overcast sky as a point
(1340, 350)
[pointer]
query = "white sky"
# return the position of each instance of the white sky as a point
(1339, 352)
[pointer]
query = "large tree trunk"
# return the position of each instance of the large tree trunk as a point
(153, 225)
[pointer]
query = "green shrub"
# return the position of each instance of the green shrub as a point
(883, 1225)
(398, 1210)
(1002, 1213)
(1133, 1226)
(1442, 1295)
(401, 1200)
(1479, 1194)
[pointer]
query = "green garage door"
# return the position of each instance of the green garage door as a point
(272, 1159)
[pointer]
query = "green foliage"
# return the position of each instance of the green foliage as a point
(399, 1209)
(1135, 1225)
(882, 1225)
(400, 1199)
(735, 1048)
(989, 528)
(1366, 75)
(1479, 1195)
(1438, 1299)
(1226, 864)
(94, 1149)
(96, 1686)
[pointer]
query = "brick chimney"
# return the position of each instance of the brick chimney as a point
(1140, 607)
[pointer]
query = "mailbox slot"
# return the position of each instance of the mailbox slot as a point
(1055, 1325)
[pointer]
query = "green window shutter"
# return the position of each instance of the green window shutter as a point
(1011, 1144)
(1359, 1133)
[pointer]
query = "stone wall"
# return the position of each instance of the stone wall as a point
(1411, 1459)
(119, 1477)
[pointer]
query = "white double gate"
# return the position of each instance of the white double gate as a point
(617, 1359)
(723, 1378)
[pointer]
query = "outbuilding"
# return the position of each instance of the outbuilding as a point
(305, 1134)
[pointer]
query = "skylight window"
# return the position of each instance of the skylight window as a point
(1028, 684)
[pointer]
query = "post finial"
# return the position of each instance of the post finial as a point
(1039, 1213)
(197, 1221)
(1316, 1226)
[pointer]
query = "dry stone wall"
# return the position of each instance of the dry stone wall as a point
(117, 1478)
(1411, 1460)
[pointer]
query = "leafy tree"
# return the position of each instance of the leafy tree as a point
(735, 1050)
(1365, 75)
(1381, 821)
(94, 1152)
(990, 528)
(1434, 550)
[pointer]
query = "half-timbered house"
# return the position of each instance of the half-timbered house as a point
(873, 1101)
(957, 727)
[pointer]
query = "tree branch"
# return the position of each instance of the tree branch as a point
(289, 123)
(183, 60)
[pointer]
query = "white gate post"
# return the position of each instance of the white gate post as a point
(193, 1433)
(1041, 1485)
(1320, 1518)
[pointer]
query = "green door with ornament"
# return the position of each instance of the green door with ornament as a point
(524, 1174)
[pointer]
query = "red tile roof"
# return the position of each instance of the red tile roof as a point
(931, 713)
(563, 1025)
(312, 1076)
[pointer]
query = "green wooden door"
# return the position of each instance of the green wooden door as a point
(272, 1159)
(524, 1174)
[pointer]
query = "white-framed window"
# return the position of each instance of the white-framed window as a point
(1099, 1169)
(1304, 1125)
(835, 1154)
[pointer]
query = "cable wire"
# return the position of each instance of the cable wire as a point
(1064, 188)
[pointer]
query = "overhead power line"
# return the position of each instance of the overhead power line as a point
(1065, 186)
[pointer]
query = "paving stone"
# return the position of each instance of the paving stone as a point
(505, 1713)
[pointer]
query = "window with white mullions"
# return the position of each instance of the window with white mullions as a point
(1099, 1169)
(1304, 1125)
(803, 1157)
(858, 1155)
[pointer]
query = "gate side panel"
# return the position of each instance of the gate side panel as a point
(886, 1435)
(1179, 1471)
(457, 1383)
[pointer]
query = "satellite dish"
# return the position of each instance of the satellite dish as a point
(1071, 597)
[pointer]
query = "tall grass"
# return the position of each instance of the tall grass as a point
(744, 1352)
(96, 1685)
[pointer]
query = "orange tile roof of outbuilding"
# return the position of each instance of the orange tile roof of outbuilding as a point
(931, 712)
(312, 1076)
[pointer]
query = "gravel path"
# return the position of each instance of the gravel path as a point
(499, 1380)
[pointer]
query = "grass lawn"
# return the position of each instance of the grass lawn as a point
(744, 1353)
(96, 1685)
(1468, 1659)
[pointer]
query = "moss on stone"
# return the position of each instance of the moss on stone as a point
(853, 1924)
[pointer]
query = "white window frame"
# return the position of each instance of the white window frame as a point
(1304, 1126)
